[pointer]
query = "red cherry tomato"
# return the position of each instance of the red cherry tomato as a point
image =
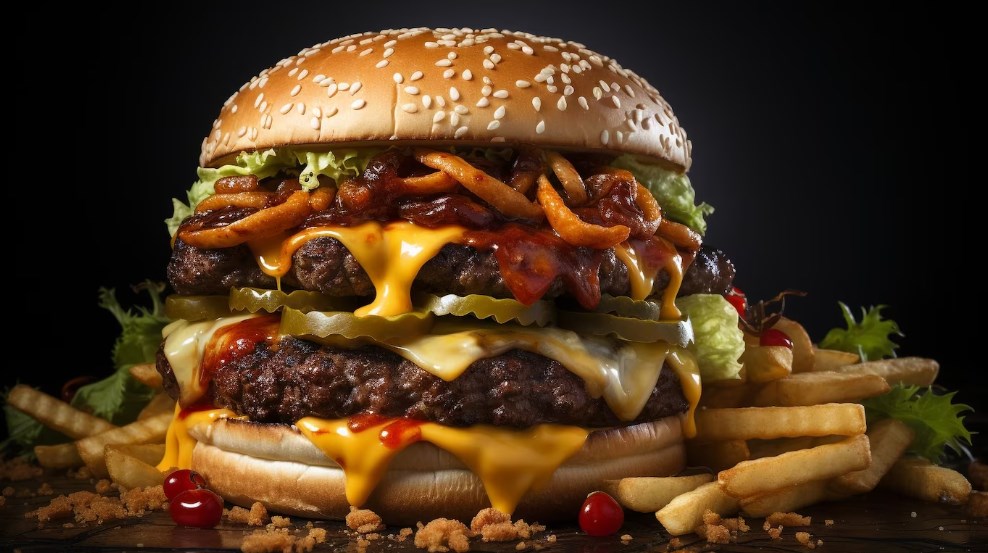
(199, 507)
(774, 337)
(737, 298)
(182, 480)
(601, 515)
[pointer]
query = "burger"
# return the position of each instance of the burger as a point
(428, 271)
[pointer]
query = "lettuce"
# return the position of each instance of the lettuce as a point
(936, 421)
(718, 342)
(869, 338)
(309, 166)
(672, 190)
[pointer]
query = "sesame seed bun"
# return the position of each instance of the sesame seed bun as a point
(274, 464)
(477, 87)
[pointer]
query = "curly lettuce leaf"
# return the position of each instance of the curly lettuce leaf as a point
(937, 421)
(718, 342)
(309, 166)
(672, 190)
(870, 338)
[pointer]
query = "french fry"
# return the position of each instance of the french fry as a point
(889, 439)
(833, 359)
(717, 455)
(919, 478)
(55, 413)
(917, 371)
(160, 403)
(748, 423)
(802, 346)
(767, 474)
(684, 513)
(61, 456)
(647, 494)
(146, 374)
(767, 363)
(778, 446)
(813, 388)
(132, 466)
(149, 430)
(785, 500)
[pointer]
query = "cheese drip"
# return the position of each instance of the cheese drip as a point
(391, 254)
(178, 443)
(184, 347)
(642, 276)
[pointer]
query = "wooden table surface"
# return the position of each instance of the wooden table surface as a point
(874, 522)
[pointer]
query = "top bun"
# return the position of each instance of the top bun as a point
(470, 86)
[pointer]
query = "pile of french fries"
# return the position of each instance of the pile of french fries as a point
(126, 454)
(791, 433)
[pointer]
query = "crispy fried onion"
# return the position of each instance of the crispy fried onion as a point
(680, 235)
(321, 198)
(433, 183)
(264, 223)
(240, 183)
(527, 167)
(576, 191)
(505, 199)
(571, 228)
(643, 198)
(256, 200)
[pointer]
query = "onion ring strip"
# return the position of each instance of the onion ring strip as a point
(680, 235)
(241, 183)
(571, 228)
(505, 199)
(576, 191)
(650, 208)
(320, 198)
(433, 183)
(264, 223)
(239, 199)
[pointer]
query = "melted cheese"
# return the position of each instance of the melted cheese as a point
(391, 254)
(642, 278)
(178, 443)
(684, 364)
(185, 344)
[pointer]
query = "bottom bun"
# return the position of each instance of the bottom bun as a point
(274, 464)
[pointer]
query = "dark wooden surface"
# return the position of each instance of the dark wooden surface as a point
(874, 522)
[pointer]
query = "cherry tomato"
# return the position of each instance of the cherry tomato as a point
(737, 298)
(199, 507)
(182, 480)
(601, 515)
(774, 337)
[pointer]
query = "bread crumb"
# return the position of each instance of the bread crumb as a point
(788, 519)
(487, 517)
(828, 522)
(774, 533)
(521, 546)
(141, 500)
(626, 538)
(806, 539)
(8, 491)
(977, 504)
(494, 526)
(279, 522)
(364, 521)
(442, 534)
(256, 516)
(720, 530)
(551, 538)
(45, 489)
(104, 486)
(267, 541)
(82, 474)
(18, 468)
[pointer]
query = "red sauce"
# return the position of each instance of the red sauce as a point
(363, 421)
(237, 341)
(401, 433)
(531, 259)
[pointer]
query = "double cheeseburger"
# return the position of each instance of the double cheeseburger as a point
(430, 271)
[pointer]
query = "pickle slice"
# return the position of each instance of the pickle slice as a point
(679, 333)
(253, 300)
(501, 310)
(623, 306)
(196, 308)
(331, 325)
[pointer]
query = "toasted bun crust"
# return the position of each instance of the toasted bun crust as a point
(274, 464)
(478, 87)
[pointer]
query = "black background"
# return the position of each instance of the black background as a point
(837, 145)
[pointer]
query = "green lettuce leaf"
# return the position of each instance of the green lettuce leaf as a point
(307, 165)
(937, 422)
(718, 342)
(870, 338)
(672, 190)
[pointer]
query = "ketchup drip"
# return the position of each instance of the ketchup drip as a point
(397, 433)
(235, 342)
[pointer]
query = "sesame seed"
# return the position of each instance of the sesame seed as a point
(444, 63)
(522, 84)
(487, 80)
(439, 116)
(552, 88)
(454, 119)
(344, 86)
(486, 90)
(617, 101)
(496, 58)
(541, 77)
(568, 90)
(630, 124)
(449, 74)
(233, 108)
(460, 132)
(499, 112)
(483, 102)
(605, 137)
(300, 108)
(493, 125)
(432, 44)
(332, 112)
(620, 137)
(241, 132)
(365, 52)
(415, 76)
(488, 50)
(528, 50)
(565, 78)
(409, 108)
(564, 67)
(461, 109)
(598, 93)
(381, 64)
(358, 103)
(296, 89)
(604, 86)
(314, 122)
(615, 87)
(253, 133)
(390, 43)
(257, 101)
(427, 101)
(388, 52)
(577, 69)
(488, 64)
(303, 74)
(540, 128)
(326, 81)
(318, 78)
(355, 87)
(413, 90)
(440, 101)
(513, 46)
(501, 94)
(583, 102)
(293, 71)
(366, 41)
(338, 49)
(561, 104)
(467, 75)
(331, 90)
(454, 94)
(537, 103)
(548, 48)
(264, 106)
(398, 78)
(451, 55)
(629, 90)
